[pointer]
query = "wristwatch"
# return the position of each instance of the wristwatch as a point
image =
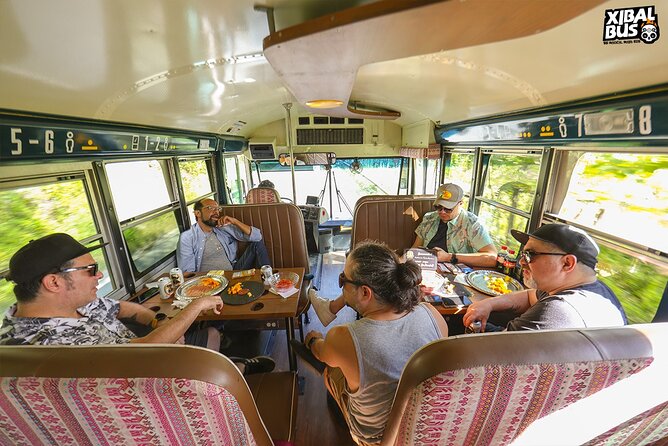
(453, 259)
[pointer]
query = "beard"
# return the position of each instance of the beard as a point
(211, 222)
(529, 282)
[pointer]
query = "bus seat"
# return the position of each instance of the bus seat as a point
(558, 386)
(136, 394)
(262, 195)
(282, 226)
(365, 198)
(391, 221)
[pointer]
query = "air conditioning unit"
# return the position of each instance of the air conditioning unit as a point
(323, 131)
(262, 149)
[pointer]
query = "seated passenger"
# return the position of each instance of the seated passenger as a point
(56, 283)
(454, 233)
(267, 184)
(211, 243)
(558, 268)
(365, 358)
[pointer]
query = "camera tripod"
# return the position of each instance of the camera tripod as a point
(339, 196)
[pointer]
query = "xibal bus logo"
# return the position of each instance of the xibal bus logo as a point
(631, 25)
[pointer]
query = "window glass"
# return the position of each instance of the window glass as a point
(505, 185)
(234, 179)
(638, 284)
(499, 222)
(28, 213)
(151, 241)
(460, 170)
(425, 181)
(195, 179)
(618, 194)
(147, 190)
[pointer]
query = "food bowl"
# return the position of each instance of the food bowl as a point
(283, 281)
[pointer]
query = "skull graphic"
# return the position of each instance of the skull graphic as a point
(649, 33)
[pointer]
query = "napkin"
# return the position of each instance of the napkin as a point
(180, 304)
(287, 293)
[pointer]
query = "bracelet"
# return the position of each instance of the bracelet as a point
(310, 342)
(154, 323)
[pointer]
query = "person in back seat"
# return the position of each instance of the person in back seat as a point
(453, 233)
(211, 243)
(56, 291)
(365, 358)
(558, 268)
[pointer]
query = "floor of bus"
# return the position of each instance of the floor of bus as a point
(316, 422)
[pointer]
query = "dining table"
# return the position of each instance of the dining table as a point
(268, 306)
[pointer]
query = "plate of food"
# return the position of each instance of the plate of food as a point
(201, 286)
(243, 292)
(492, 282)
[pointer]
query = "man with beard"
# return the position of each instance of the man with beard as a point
(563, 292)
(212, 243)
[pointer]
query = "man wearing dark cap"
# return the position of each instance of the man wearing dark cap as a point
(563, 292)
(455, 234)
(56, 285)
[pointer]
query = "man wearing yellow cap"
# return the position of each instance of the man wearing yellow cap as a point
(455, 233)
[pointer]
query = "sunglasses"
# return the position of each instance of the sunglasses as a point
(528, 255)
(343, 280)
(439, 208)
(92, 269)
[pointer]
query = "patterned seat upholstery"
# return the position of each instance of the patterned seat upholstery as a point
(262, 195)
(126, 395)
(487, 389)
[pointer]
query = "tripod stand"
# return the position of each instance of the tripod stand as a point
(339, 196)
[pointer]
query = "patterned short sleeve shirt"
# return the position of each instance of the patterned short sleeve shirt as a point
(98, 324)
(465, 233)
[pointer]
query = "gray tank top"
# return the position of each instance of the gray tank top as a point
(383, 349)
(214, 257)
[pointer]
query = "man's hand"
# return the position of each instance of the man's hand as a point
(477, 311)
(214, 303)
(227, 220)
(442, 255)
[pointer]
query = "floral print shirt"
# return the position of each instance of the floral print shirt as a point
(98, 324)
(466, 234)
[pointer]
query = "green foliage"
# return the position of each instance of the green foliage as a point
(621, 166)
(195, 179)
(152, 240)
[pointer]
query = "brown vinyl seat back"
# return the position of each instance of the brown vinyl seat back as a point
(390, 221)
(126, 394)
(487, 389)
(365, 198)
(282, 227)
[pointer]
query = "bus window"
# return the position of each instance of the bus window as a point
(503, 185)
(624, 195)
(146, 211)
(499, 222)
(195, 179)
(459, 170)
(30, 212)
(426, 176)
(236, 177)
(618, 193)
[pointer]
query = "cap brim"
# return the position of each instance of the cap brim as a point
(520, 236)
(445, 203)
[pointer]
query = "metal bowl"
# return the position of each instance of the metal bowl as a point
(201, 286)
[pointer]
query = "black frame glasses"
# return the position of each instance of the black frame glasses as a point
(343, 280)
(92, 269)
(439, 208)
(528, 254)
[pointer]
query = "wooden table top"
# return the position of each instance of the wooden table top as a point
(272, 305)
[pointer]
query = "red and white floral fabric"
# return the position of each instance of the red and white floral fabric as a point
(119, 411)
(492, 405)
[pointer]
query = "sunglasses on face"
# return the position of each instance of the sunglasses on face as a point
(343, 280)
(440, 208)
(528, 255)
(92, 269)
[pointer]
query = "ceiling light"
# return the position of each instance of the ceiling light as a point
(324, 103)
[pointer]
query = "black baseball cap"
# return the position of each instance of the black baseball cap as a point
(570, 239)
(44, 255)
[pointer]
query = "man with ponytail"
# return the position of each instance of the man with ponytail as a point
(365, 358)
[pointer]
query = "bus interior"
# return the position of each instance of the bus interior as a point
(117, 116)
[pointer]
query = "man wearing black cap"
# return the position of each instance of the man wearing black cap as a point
(563, 292)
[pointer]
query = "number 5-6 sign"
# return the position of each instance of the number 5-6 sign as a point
(34, 141)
